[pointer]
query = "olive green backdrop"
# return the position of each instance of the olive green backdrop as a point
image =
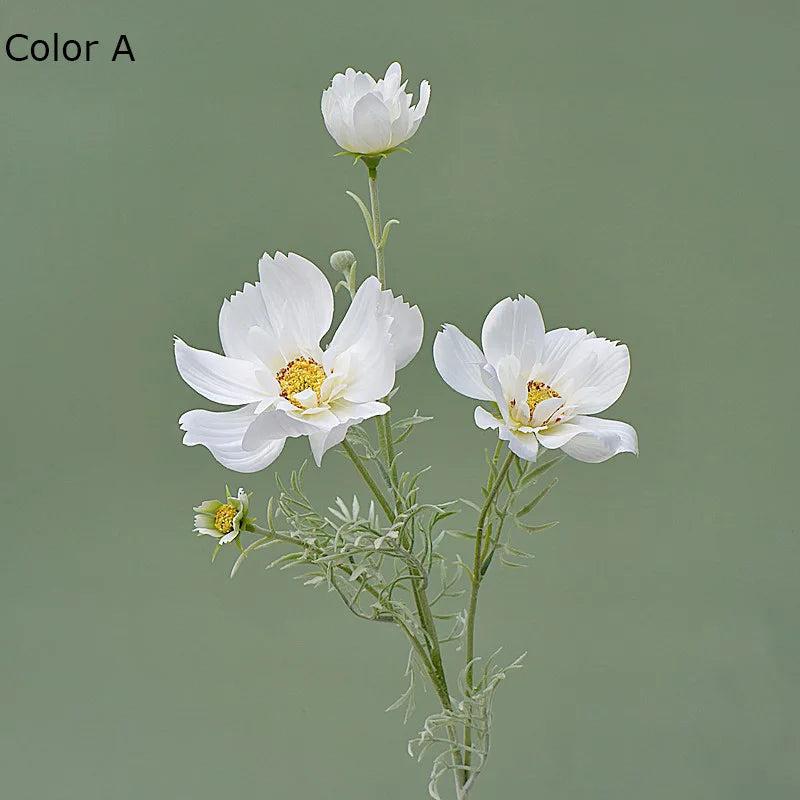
(631, 164)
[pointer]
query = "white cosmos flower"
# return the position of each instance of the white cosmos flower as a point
(368, 116)
(275, 368)
(545, 385)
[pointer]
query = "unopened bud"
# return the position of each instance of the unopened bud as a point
(342, 261)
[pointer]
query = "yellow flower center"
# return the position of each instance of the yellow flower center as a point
(538, 391)
(223, 519)
(297, 376)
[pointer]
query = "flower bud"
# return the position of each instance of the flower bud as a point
(342, 261)
(223, 521)
(369, 117)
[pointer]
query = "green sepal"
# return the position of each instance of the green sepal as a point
(371, 160)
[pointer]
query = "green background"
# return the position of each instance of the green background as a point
(632, 164)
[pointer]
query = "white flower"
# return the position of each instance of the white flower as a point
(276, 370)
(367, 116)
(544, 385)
(223, 521)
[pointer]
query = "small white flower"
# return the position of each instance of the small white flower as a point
(276, 370)
(366, 116)
(223, 521)
(544, 385)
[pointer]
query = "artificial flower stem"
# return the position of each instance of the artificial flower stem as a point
(387, 440)
(435, 674)
(494, 490)
(420, 596)
(419, 593)
(377, 230)
(497, 450)
(387, 445)
(362, 470)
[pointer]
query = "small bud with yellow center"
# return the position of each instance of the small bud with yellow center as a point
(224, 521)
(299, 375)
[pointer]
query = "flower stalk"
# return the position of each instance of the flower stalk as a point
(494, 485)
(368, 479)
(377, 242)
(386, 439)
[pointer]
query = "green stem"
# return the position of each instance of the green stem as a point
(476, 581)
(435, 674)
(383, 422)
(390, 453)
(377, 229)
(288, 539)
(427, 622)
(359, 464)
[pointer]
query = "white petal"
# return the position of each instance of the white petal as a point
(240, 313)
(222, 433)
(392, 78)
(407, 327)
(401, 126)
(558, 344)
(460, 363)
(316, 419)
(422, 105)
(219, 378)
(299, 303)
(361, 83)
(371, 371)
(601, 439)
(514, 327)
(335, 117)
(372, 127)
(266, 347)
(515, 386)
(348, 414)
(323, 441)
(307, 398)
(523, 445)
(351, 413)
(546, 410)
(274, 425)
(554, 436)
(484, 420)
(362, 360)
(363, 311)
(600, 377)
(203, 522)
(497, 391)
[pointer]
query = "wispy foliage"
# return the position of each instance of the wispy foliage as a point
(392, 568)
